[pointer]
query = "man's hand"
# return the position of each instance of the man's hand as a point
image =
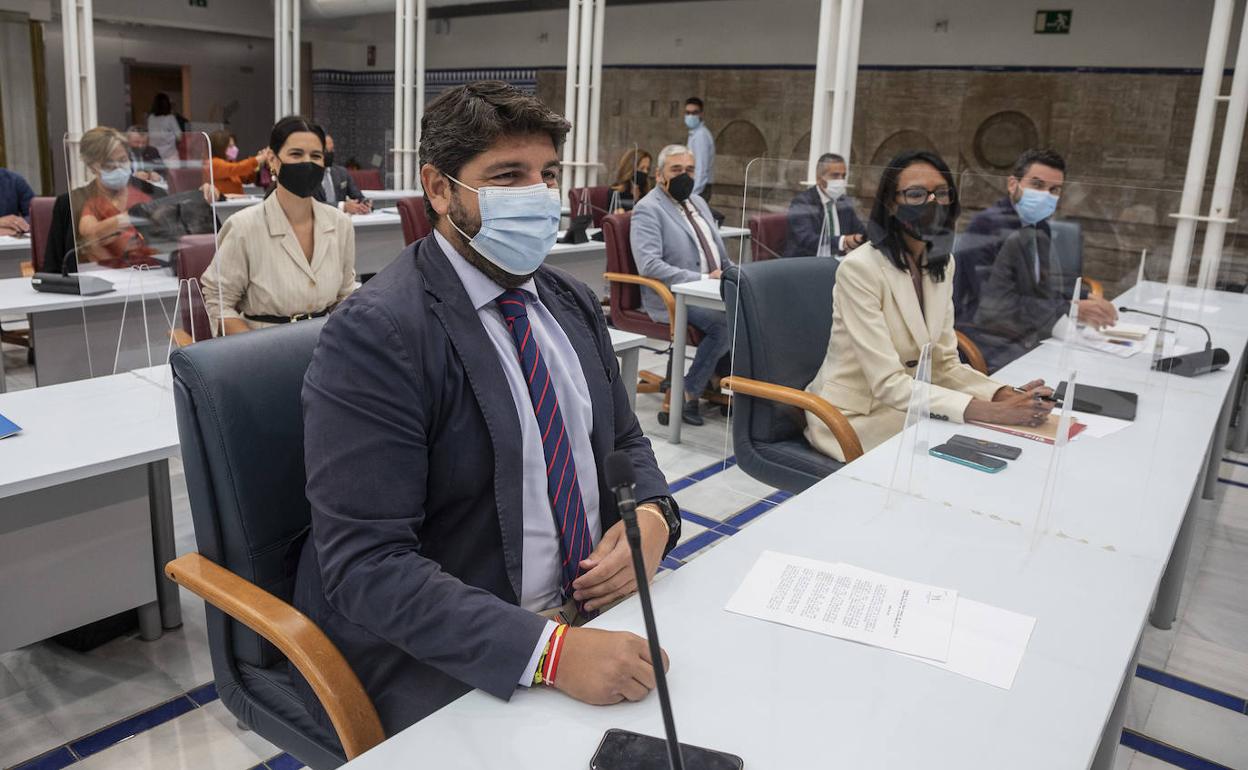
(13, 225)
(1097, 313)
(603, 667)
(607, 575)
(356, 207)
(853, 241)
(715, 274)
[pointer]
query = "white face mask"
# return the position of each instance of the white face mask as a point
(835, 188)
(519, 225)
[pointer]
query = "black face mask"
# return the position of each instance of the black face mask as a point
(927, 222)
(301, 179)
(329, 159)
(639, 179)
(680, 188)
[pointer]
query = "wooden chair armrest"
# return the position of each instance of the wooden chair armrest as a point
(832, 417)
(28, 268)
(654, 284)
(299, 639)
(973, 355)
(181, 338)
(1095, 287)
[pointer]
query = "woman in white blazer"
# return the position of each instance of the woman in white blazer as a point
(289, 258)
(892, 296)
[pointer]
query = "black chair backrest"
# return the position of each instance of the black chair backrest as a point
(780, 315)
(240, 423)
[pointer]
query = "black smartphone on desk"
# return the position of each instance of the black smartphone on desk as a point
(984, 446)
(624, 750)
(968, 457)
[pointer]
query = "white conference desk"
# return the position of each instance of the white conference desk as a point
(77, 337)
(86, 517)
(13, 252)
(703, 293)
(783, 698)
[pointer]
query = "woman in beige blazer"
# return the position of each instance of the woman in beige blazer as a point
(289, 258)
(892, 296)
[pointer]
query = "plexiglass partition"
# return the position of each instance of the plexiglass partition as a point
(143, 233)
(1035, 290)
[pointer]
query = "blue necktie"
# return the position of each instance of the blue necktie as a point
(561, 480)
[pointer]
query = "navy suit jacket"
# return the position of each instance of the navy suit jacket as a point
(413, 454)
(806, 222)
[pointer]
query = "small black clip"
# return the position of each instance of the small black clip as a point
(911, 364)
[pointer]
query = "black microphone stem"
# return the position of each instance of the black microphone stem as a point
(628, 512)
(1208, 336)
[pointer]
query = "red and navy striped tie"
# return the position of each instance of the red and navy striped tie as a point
(561, 480)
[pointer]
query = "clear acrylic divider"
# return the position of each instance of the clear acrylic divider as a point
(910, 469)
(144, 226)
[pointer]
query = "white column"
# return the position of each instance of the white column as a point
(80, 102)
(1228, 164)
(851, 83)
(296, 58)
(595, 86)
(569, 95)
(825, 64)
(836, 134)
(409, 90)
(580, 124)
(1202, 138)
(286, 58)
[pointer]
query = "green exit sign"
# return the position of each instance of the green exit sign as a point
(1053, 22)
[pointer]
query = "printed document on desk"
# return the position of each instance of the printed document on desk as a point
(988, 643)
(849, 603)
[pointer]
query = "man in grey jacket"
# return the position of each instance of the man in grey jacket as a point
(674, 239)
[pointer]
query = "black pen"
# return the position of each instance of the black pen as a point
(1041, 398)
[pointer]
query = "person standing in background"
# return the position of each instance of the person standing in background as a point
(702, 145)
(163, 128)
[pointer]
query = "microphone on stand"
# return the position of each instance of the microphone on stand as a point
(1189, 364)
(620, 749)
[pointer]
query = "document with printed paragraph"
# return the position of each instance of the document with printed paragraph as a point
(849, 603)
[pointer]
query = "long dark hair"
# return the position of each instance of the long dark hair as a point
(885, 231)
(161, 105)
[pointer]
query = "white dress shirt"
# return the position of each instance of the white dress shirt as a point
(708, 233)
(542, 571)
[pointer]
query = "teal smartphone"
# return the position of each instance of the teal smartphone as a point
(968, 457)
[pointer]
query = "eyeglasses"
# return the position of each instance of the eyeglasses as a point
(917, 196)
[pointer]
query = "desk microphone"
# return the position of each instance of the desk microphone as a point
(1189, 364)
(622, 750)
(621, 479)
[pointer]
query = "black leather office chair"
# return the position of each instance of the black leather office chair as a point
(780, 313)
(240, 423)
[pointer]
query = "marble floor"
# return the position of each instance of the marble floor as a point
(60, 708)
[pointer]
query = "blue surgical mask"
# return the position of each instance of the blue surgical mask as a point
(693, 121)
(115, 178)
(1035, 206)
(519, 225)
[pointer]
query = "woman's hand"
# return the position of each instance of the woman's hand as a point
(1014, 409)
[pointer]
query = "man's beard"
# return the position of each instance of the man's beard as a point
(475, 258)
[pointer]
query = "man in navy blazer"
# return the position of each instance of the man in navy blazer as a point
(434, 556)
(674, 239)
(812, 232)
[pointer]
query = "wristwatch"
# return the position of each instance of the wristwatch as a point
(671, 516)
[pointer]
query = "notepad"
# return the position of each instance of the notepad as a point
(8, 427)
(1045, 433)
(1124, 331)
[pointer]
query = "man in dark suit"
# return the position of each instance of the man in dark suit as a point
(1009, 313)
(457, 413)
(822, 220)
(339, 187)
